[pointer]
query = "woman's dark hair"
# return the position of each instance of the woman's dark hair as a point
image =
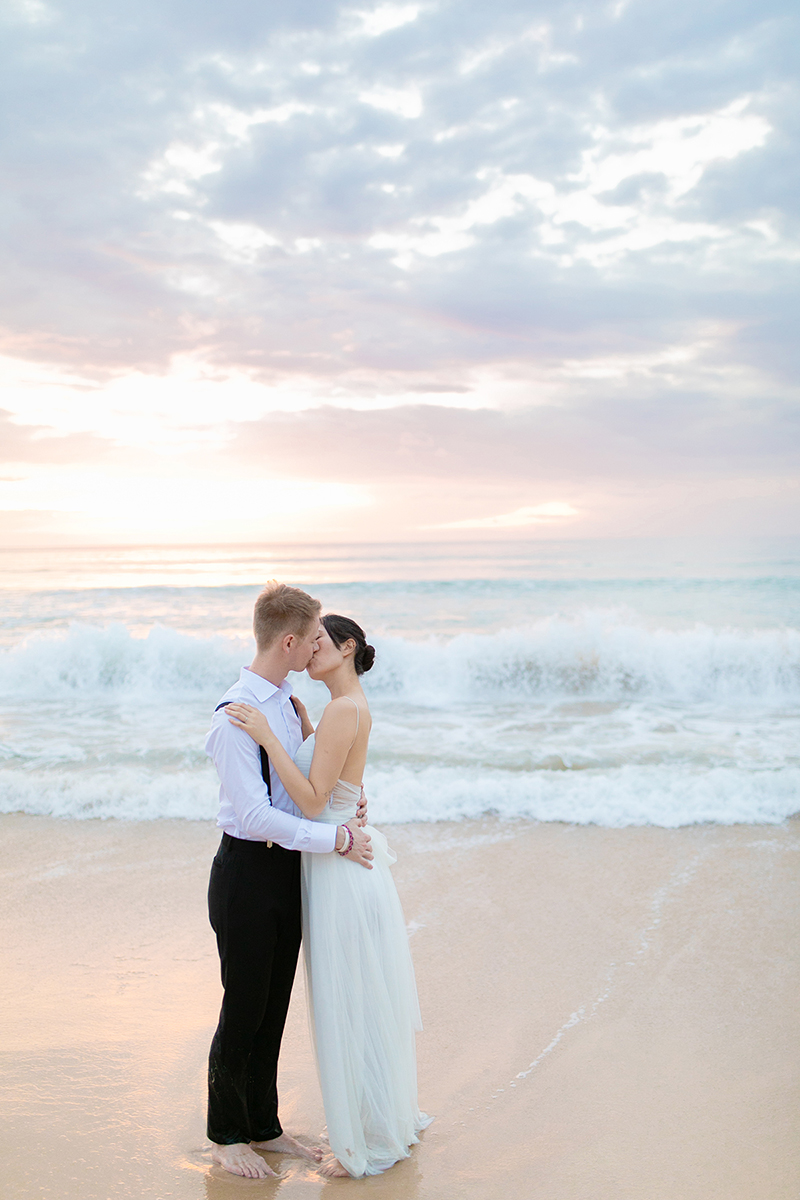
(340, 630)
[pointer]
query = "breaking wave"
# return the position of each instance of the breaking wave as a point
(599, 656)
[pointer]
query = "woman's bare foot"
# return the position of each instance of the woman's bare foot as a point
(333, 1169)
(286, 1144)
(239, 1159)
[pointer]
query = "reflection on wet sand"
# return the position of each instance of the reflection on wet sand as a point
(593, 999)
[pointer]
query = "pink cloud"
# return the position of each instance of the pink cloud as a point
(40, 444)
(687, 437)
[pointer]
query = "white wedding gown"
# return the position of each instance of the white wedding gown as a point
(362, 997)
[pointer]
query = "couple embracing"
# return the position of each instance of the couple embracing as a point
(297, 857)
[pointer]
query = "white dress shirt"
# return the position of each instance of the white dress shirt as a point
(244, 807)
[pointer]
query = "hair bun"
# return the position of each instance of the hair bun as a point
(366, 657)
(342, 629)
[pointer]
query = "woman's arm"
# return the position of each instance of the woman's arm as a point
(335, 735)
(305, 722)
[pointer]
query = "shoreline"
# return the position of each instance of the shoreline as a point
(608, 1012)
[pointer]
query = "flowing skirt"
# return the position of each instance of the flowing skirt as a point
(363, 1008)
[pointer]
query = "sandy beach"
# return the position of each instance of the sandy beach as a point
(608, 1014)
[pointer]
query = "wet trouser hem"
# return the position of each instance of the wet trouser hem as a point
(235, 1140)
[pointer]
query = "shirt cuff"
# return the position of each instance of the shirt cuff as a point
(315, 837)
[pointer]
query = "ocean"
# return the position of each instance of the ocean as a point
(626, 682)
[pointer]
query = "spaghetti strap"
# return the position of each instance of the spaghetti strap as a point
(358, 719)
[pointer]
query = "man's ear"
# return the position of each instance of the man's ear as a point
(288, 642)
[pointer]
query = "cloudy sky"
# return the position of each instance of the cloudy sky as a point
(408, 270)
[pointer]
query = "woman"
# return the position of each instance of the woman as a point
(360, 979)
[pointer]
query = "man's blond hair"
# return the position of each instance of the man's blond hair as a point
(281, 609)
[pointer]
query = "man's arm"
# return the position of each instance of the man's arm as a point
(236, 758)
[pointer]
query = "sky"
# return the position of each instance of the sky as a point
(406, 271)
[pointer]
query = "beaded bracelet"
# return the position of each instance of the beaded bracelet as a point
(349, 832)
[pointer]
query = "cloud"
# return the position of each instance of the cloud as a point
(289, 171)
(26, 444)
(446, 240)
(689, 437)
(385, 17)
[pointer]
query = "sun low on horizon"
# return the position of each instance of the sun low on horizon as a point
(398, 272)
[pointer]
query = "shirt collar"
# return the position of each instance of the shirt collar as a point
(261, 688)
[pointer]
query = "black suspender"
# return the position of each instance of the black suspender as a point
(265, 772)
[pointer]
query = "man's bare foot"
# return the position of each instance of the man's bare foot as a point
(286, 1144)
(333, 1169)
(239, 1159)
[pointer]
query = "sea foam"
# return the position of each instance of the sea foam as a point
(599, 655)
(598, 718)
(87, 660)
(629, 795)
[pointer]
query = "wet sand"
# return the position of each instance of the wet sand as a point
(609, 1014)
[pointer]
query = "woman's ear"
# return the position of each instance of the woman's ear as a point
(350, 646)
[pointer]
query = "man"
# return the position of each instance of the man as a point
(254, 892)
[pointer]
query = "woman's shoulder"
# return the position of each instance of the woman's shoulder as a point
(345, 713)
(342, 708)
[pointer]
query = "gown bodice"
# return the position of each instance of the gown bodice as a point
(344, 797)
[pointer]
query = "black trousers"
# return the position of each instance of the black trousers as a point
(254, 908)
